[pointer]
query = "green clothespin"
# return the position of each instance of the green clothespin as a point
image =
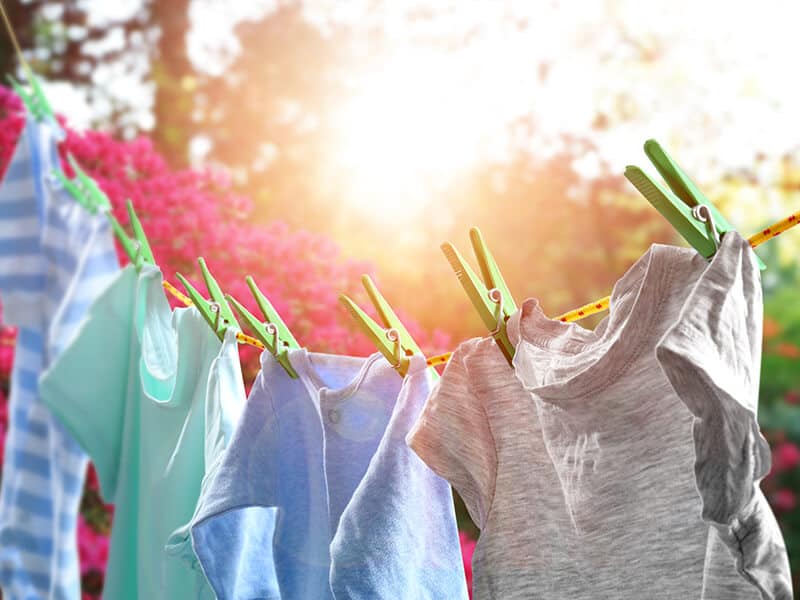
(216, 311)
(88, 194)
(137, 248)
(272, 332)
(35, 101)
(83, 188)
(683, 204)
(392, 340)
(490, 297)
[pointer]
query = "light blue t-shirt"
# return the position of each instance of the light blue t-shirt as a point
(139, 389)
(318, 472)
(55, 259)
(398, 537)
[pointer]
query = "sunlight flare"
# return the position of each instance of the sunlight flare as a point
(410, 127)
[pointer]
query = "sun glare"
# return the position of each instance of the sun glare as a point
(409, 128)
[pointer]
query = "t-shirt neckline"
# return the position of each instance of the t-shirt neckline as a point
(301, 361)
(176, 339)
(595, 358)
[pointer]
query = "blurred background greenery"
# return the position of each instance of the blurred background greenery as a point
(392, 127)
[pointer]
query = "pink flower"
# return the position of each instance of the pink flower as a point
(785, 457)
(3, 411)
(92, 482)
(792, 397)
(467, 549)
(784, 500)
(6, 354)
(92, 548)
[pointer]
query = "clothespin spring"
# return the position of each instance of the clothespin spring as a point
(702, 213)
(394, 336)
(215, 308)
(272, 329)
(497, 297)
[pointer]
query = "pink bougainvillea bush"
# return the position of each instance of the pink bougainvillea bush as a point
(187, 214)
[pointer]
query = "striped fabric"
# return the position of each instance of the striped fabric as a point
(55, 258)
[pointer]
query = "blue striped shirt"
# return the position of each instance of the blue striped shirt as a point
(55, 259)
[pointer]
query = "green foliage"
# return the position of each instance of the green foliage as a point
(779, 410)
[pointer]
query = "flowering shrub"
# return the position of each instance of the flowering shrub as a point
(191, 213)
(7, 335)
(93, 549)
(779, 410)
(467, 550)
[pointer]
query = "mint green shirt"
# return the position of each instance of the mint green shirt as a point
(133, 390)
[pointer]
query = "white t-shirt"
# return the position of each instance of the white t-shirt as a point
(583, 471)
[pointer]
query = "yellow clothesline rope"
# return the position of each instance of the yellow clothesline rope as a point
(600, 305)
(581, 312)
(242, 337)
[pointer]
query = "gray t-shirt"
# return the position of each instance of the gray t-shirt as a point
(583, 471)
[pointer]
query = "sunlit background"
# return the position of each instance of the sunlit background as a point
(391, 127)
(394, 126)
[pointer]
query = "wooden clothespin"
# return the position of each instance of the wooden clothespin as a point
(490, 297)
(272, 332)
(392, 339)
(88, 194)
(683, 204)
(215, 311)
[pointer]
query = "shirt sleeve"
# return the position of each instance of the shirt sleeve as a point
(233, 528)
(453, 436)
(87, 385)
(225, 399)
(712, 358)
(412, 539)
(22, 271)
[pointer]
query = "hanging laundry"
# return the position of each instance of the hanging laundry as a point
(55, 259)
(481, 431)
(318, 473)
(225, 401)
(398, 531)
(134, 390)
(712, 358)
(612, 408)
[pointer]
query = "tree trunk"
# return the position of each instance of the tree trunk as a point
(174, 80)
(22, 17)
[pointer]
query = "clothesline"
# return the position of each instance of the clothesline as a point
(755, 240)
(251, 341)
(600, 305)
(576, 314)
(242, 337)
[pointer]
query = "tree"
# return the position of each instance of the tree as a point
(268, 115)
(64, 42)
